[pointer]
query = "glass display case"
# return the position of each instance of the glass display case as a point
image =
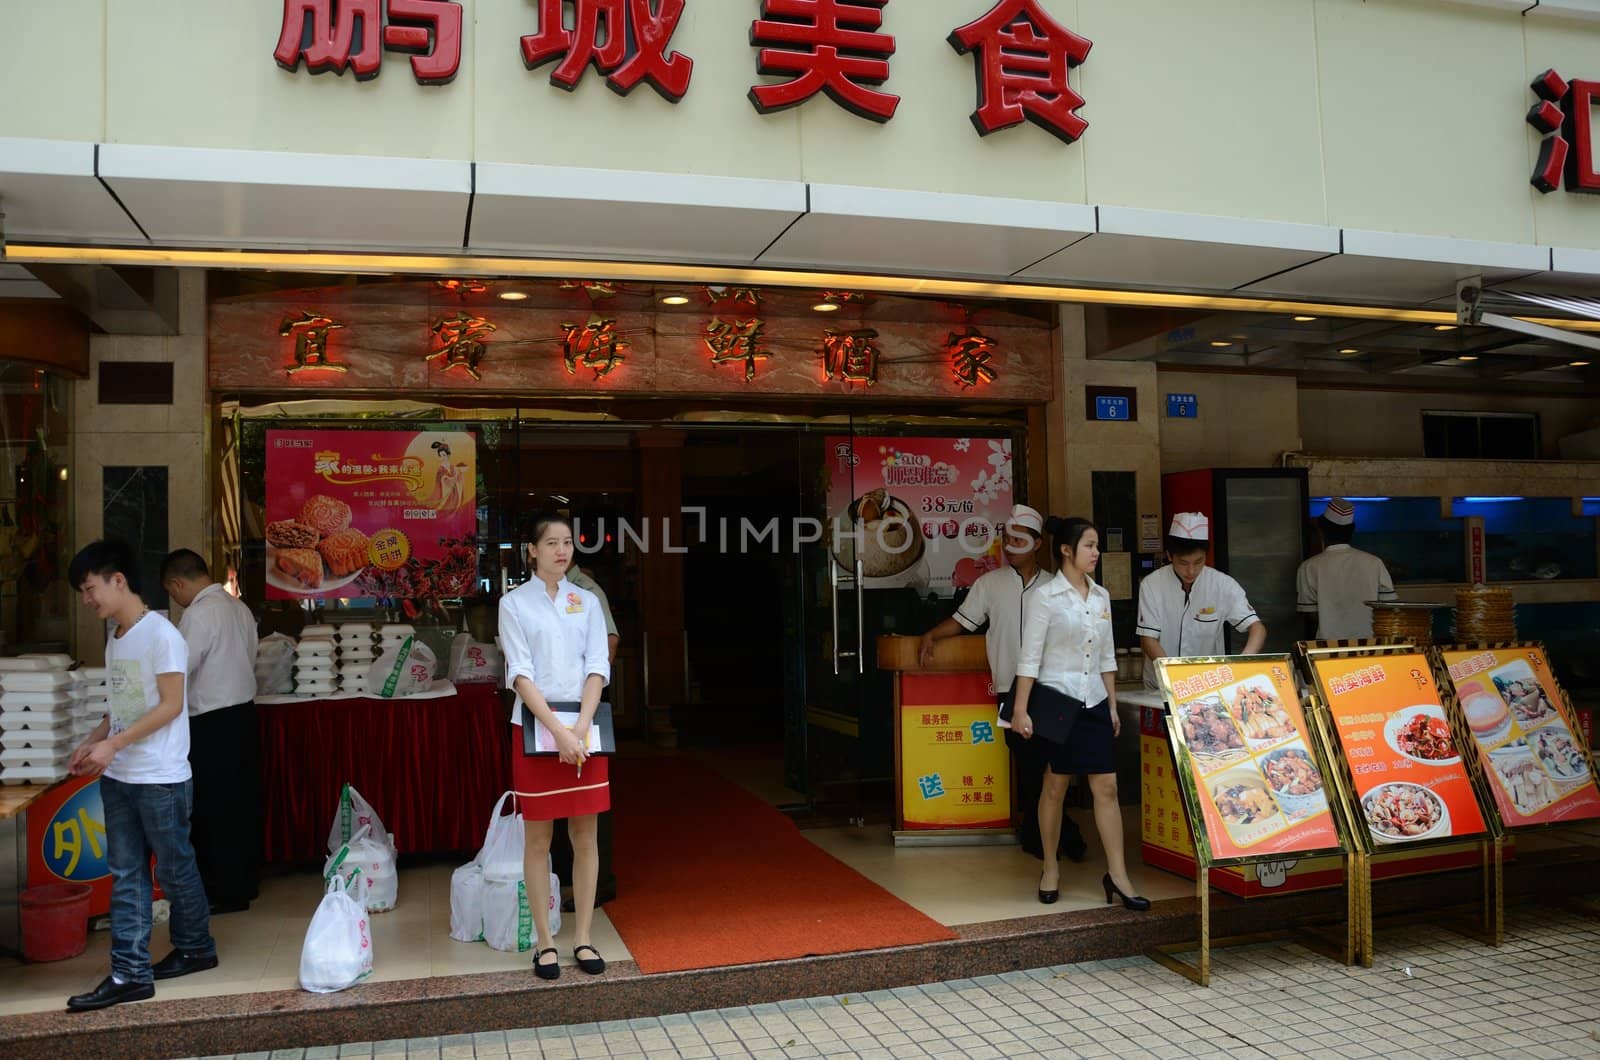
(1533, 538)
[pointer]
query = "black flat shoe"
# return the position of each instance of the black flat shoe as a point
(547, 971)
(178, 963)
(592, 965)
(108, 993)
(1136, 903)
(1048, 897)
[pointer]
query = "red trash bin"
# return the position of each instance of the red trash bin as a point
(55, 921)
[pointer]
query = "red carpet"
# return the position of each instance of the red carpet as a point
(709, 875)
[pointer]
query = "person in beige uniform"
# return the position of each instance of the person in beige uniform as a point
(1334, 586)
(225, 741)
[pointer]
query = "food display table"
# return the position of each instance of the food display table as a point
(432, 768)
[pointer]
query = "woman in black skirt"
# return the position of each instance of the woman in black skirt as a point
(1066, 701)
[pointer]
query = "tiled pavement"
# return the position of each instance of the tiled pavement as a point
(1430, 994)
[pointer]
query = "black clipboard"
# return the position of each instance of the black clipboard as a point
(600, 727)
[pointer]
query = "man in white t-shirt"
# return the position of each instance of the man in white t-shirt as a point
(1334, 586)
(141, 754)
(995, 600)
(224, 731)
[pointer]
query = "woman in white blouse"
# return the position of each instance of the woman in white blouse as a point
(1066, 701)
(554, 638)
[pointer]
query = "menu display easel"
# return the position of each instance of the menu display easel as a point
(1525, 738)
(1397, 746)
(1253, 779)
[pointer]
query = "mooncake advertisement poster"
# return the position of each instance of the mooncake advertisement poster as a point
(1408, 773)
(1248, 754)
(383, 514)
(1534, 756)
(923, 513)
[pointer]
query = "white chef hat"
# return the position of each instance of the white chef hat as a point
(1340, 512)
(1190, 526)
(1027, 518)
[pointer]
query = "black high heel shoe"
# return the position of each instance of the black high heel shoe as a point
(1136, 903)
(1048, 897)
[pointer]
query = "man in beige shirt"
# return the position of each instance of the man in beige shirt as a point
(224, 742)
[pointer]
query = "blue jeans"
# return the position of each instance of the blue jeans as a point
(141, 820)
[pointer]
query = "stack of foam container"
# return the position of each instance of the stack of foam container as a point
(355, 657)
(36, 733)
(316, 662)
(91, 699)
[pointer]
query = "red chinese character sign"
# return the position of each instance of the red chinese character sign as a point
(335, 35)
(829, 46)
(310, 334)
(627, 41)
(1022, 59)
(461, 342)
(1566, 110)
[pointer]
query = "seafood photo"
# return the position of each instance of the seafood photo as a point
(1560, 753)
(1399, 811)
(1425, 735)
(1209, 731)
(1530, 789)
(1261, 714)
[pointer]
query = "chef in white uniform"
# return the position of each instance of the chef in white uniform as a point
(1184, 606)
(1334, 586)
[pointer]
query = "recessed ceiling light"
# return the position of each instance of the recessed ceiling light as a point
(1467, 357)
(1445, 327)
(1349, 351)
(1220, 344)
(675, 299)
(1304, 320)
(514, 296)
(1577, 364)
(826, 307)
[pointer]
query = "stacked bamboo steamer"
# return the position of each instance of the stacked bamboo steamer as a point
(1407, 623)
(1485, 614)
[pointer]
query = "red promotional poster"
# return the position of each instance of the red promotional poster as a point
(1395, 734)
(925, 512)
(385, 514)
(1535, 757)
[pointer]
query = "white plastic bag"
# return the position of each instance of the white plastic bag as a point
(474, 663)
(402, 671)
(466, 903)
(372, 862)
(501, 853)
(508, 918)
(274, 665)
(354, 812)
(337, 952)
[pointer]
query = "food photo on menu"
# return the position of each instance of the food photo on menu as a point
(1259, 786)
(1395, 734)
(1539, 772)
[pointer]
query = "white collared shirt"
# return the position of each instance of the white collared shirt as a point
(1336, 585)
(555, 643)
(221, 634)
(997, 598)
(1190, 622)
(1066, 640)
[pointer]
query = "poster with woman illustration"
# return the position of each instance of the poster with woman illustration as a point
(385, 514)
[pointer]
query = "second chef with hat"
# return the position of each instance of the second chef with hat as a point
(1184, 606)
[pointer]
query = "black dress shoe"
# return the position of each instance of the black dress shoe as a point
(1138, 903)
(1048, 897)
(179, 963)
(590, 965)
(108, 993)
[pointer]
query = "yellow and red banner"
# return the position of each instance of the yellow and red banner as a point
(955, 771)
(1535, 758)
(1393, 730)
(1242, 742)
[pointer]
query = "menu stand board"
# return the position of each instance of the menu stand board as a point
(1525, 738)
(1252, 775)
(1395, 751)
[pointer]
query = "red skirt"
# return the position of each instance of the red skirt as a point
(548, 789)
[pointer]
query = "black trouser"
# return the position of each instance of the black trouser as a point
(1028, 768)
(225, 825)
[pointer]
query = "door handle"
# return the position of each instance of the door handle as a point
(833, 602)
(861, 623)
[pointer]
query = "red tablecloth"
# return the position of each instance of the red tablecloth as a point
(432, 768)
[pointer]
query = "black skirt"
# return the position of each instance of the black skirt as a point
(1090, 746)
